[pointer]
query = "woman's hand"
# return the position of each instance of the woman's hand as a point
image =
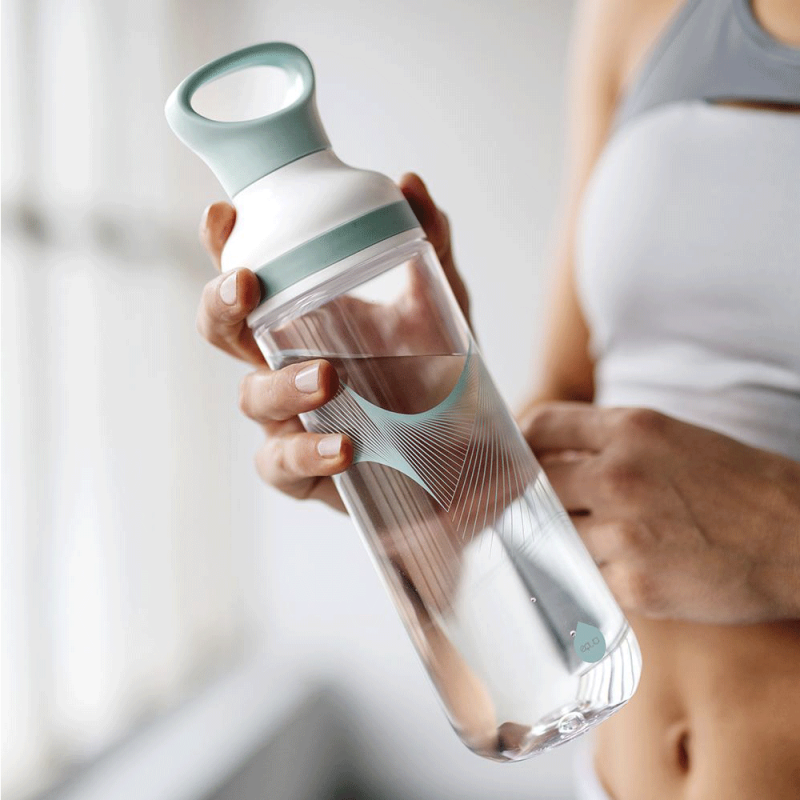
(683, 522)
(291, 459)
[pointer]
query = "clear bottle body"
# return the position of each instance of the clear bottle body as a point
(516, 627)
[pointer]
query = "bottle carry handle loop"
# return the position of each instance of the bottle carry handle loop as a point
(242, 151)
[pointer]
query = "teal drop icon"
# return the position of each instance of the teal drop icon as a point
(589, 643)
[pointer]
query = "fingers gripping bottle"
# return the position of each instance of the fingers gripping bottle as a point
(518, 631)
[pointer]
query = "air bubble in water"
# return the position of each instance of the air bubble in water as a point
(570, 723)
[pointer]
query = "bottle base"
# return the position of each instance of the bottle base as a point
(602, 691)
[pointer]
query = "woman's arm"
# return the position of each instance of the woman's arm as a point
(610, 39)
(567, 370)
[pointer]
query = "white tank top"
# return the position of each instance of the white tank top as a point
(688, 244)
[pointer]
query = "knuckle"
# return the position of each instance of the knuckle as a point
(204, 310)
(285, 380)
(281, 461)
(296, 456)
(443, 233)
(209, 297)
(207, 315)
(270, 461)
(621, 478)
(639, 588)
(627, 536)
(258, 397)
(281, 395)
(263, 462)
(245, 393)
(637, 422)
(209, 331)
(538, 418)
(201, 322)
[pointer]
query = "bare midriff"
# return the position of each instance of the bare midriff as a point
(716, 715)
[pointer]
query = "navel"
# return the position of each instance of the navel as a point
(678, 743)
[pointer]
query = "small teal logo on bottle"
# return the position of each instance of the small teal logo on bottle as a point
(589, 643)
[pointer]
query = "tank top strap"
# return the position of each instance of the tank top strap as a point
(713, 50)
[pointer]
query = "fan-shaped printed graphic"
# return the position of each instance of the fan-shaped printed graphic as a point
(451, 450)
(430, 447)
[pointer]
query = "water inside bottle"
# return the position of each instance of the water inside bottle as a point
(482, 561)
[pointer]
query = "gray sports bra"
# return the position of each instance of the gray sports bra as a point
(714, 50)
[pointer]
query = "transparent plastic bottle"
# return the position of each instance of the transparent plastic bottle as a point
(519, 633)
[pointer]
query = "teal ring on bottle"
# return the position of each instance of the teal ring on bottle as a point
(241, 152)
(334, 245)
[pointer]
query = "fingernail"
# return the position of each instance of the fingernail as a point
(307, 380)
(330, 446)
(204, 219)
(227, 290)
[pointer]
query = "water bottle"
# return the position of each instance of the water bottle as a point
(511, 618)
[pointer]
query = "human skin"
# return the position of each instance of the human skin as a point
(290, 458)
(698, 535)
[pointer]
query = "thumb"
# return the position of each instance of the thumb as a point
(433, 220)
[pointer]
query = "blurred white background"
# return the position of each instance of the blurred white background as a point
(147, 575)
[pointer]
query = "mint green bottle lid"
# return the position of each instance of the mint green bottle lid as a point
(239, 153)
(243, 152)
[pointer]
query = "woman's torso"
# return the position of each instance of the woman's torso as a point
(688, 267)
